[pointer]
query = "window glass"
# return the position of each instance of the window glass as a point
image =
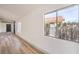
(68, 23)
(50, 24)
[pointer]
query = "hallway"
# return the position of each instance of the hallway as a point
(12, 44)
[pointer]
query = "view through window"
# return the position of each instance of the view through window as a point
(63, 23)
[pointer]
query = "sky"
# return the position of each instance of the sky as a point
(70, 14)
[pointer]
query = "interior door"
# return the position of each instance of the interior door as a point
(8, 27)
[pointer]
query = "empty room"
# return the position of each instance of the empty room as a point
(39, 29)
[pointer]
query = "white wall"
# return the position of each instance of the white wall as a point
(0, 27)
(3, 27)
(32, 31)
(12, 27)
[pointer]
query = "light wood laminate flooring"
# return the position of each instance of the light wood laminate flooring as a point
(12, 44)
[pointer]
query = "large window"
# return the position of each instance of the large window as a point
(63, 23)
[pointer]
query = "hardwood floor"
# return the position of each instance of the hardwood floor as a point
(12, 44)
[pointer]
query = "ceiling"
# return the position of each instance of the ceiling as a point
(19, 10)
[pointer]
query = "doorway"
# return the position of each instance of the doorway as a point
(8, 27)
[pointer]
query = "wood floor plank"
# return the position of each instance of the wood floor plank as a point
(11, 44)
